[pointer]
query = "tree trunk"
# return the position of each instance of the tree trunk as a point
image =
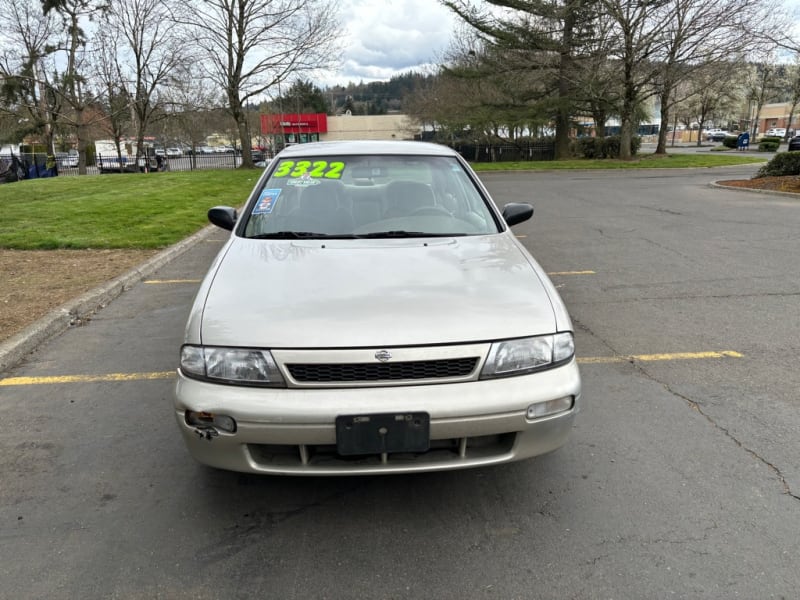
(628, 107)
(600, 117)
(82, 137)
(564, 102)
(245, 141)
(661, 146)
(240, 118)
(626, 124)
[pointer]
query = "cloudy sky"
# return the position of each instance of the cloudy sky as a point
(387, 37)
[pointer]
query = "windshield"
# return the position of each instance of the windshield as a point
(369, 196)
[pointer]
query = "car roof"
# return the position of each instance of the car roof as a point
(367, 147)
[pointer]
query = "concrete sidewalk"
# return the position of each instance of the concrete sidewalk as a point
(71, 313)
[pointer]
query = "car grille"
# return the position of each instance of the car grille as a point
(373, 372)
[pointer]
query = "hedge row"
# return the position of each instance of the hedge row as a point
(602, 147)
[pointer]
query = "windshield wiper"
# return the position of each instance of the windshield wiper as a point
(311, 235)
(400, 233)
(306, 235)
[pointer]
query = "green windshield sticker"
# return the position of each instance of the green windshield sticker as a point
(307, 168)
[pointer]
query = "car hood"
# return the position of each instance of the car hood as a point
(367, 293)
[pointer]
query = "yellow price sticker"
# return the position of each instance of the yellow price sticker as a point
(318, 169)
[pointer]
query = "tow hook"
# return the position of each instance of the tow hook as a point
(206, 433)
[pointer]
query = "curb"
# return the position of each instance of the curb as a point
(14, 349)
(714, 184)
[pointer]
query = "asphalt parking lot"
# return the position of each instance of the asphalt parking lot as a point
(681, 480)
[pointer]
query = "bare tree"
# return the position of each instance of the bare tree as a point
(760, 85)
(73, 85)
(712, 93)
(115, 96)
(25, 66)
(147, 52)
(699, 33)
(194, 104)
(249, 46)
(641, 40)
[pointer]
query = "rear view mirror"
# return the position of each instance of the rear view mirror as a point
(223, 216)
(517, 213)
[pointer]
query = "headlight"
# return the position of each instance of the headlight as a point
(517, 357)
(231, 365)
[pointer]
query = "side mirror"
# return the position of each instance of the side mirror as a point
(517, 213)
(223, 216)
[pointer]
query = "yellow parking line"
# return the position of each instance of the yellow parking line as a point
(160, 281)
(598, 360)
(572, 273)
(86, 378)
(586, 360)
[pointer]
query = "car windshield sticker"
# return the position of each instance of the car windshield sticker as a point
(313, 169)
(305, 180)
(266, 201)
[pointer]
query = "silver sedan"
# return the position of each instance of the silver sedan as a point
(372, 312)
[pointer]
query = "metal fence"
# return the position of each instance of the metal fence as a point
(30, 166)
(14, 167)
(152, 162)
(26, 165)
(543, 150)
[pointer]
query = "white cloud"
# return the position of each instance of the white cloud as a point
(387, 37)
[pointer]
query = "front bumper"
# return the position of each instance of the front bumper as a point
(292, 431)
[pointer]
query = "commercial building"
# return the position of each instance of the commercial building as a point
(294, 128)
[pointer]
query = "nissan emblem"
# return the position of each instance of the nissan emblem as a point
(383, 355)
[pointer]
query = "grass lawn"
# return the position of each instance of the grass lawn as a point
(642, 161)
(159, 209)
(151, 210)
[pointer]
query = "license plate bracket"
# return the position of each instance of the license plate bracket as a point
(382, 433)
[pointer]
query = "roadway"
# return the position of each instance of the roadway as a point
(681, 479)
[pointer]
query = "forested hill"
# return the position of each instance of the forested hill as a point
(373, 98)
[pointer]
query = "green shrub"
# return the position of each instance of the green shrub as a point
(784, 163)
(586, 147)
(603, 147)
(729, 141)
(768, 146)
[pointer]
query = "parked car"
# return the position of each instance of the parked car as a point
(776, 132)
(174, 153)
(794, 144)
(67, 160)
(373, 312)
(716, 135)
(259, 157)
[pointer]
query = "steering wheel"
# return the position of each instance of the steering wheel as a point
(431, 210)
